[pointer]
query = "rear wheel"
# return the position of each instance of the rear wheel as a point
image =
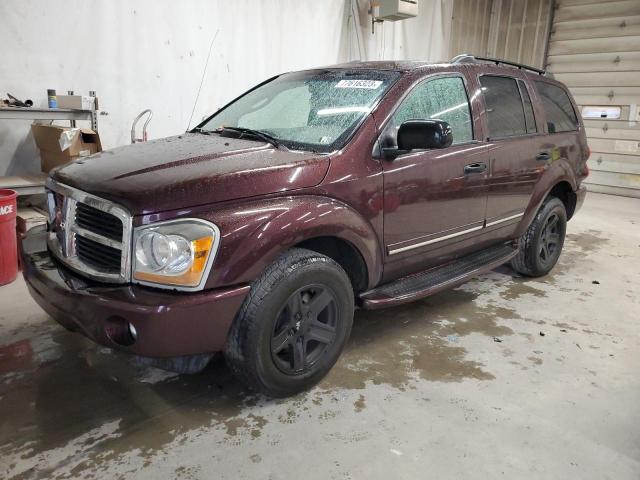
(541, 245)
(293, 325)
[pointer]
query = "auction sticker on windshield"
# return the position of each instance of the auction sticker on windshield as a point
(369, 84)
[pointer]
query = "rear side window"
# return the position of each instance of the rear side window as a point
(529, 117)
(557, 108)
(441, 99)
(505, 109)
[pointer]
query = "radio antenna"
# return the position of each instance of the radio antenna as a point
(204, 72)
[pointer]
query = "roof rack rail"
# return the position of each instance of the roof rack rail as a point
(467, 58)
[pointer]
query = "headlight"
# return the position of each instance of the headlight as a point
(177, 253)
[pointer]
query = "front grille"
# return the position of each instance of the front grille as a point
(98, 221)
(89, 234)
(102, 257)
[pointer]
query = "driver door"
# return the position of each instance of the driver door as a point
(433, 199)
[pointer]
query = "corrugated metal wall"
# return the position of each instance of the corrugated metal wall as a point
(470, 27)
(595, 51)
(514, 30)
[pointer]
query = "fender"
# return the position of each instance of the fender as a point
(556, 172)
(255, 232)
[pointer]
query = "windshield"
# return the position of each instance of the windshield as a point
(316, 110)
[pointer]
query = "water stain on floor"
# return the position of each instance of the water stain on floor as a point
(535, 360)
(518, 287)
(394, 346)
(59, 390)
(440, 362)
(564, 326)
(576, 246)
(588, 241)
(72, 387)
(61, 396)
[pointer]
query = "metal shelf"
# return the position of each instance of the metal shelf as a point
(29, 113)
(33, 184)
(25, 185)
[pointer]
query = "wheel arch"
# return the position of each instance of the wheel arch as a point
(564, 191)
(330, 227)
(557, 180)
(345, 254)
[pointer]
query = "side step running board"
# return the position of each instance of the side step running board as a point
(436, 279)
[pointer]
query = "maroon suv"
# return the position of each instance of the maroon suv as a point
(259, 232)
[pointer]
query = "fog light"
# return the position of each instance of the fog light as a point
(133, 332)
(120, 331)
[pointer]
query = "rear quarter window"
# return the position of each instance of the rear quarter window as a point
(558, 111)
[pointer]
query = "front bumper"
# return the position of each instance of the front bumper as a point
(167, 324)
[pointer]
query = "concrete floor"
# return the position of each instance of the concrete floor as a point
(501, 377)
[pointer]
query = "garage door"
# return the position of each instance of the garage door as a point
(515, 30)
(595, 50)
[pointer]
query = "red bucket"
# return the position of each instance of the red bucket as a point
(8, 245)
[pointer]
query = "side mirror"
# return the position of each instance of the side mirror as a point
(420, 134)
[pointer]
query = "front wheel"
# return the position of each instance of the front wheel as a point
(541, 245)
(293, 325)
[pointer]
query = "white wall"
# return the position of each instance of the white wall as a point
(151, 54)
(425, 37)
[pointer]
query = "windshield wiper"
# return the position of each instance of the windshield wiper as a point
(203, 131)
(255, 133)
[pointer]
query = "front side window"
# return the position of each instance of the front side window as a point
(439, 99)
(557, 108)
(505, 109)
(314, 110)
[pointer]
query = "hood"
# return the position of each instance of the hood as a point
(191, 169)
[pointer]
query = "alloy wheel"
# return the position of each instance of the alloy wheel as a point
(550, 239)
(305, 327)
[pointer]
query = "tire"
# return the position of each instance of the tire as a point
(541, 245)
(293, 325)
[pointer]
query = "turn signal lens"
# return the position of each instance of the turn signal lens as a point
(176, 253)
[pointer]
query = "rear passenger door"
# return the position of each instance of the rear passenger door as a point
(516, 151)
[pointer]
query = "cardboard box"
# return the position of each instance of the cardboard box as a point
(83, 142)
(77, 102)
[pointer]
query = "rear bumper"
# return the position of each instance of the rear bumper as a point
(581, 193)
(167, 324)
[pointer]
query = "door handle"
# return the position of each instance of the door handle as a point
(475, 168)
(543, 156)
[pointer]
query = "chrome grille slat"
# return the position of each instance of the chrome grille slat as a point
(88, 234)
(99, 255)
(83, 232)
(95, 226)
(99, 222)
(90, 249)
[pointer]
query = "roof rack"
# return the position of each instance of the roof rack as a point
(467, 58)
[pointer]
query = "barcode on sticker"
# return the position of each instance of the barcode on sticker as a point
(370, 84)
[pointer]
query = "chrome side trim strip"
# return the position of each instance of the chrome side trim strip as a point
(434, 240)
(453, 235)
(502, 220)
